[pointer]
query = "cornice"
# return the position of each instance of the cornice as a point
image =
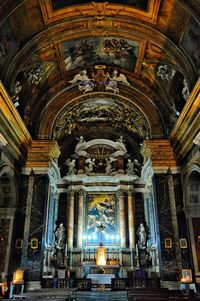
(99, 11)
(12, 127)
(187, 126)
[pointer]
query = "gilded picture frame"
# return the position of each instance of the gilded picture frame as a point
(34, 243)
(183, 243)
(168, 243)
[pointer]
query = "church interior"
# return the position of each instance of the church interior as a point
(99, 148)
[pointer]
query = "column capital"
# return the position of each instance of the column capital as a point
(41, 153)
(130, 192)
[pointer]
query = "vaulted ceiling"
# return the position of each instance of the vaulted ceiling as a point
(141, 60)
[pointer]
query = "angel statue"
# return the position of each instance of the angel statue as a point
(91, 164)
(113, 82)
(130, 168)
(109, 168)
(71, 166)
(80, 147)
(85, 83)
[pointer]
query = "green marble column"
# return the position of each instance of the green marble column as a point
(174, 219)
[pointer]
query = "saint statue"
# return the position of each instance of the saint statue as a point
(60, 237)
(142, 237)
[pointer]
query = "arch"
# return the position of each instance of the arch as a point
(8, 196)
(64, 99)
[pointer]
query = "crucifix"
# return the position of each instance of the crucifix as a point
(101, 228)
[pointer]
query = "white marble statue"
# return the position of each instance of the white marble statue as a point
(60, 237)
(113, 82)
(90, 165)
(130, 168)
(71, 166)
(80, 147)
(142, 237)
(85, 83)
(120, 144)
(109, 169)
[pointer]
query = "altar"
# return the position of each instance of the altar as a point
(101, 278)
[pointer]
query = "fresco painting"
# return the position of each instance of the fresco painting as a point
(101, 219)
(191, 42)
(98, 50)
(8, 44)
(140, 4)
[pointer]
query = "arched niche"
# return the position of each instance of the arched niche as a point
(8, 200)
(7, 188)
(192, 211)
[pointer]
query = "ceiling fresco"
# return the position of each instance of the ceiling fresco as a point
(101, 111)
(107, 51)
(8, 44)
(191, 42)
(141, 4)
(54, 53)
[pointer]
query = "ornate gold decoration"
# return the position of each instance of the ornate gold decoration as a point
(41, 153)
(99, 11)
(160, 151)
(100, 77)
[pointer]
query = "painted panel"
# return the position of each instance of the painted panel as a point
(191, 42)
(8, 43)
(98, 50)
(141, 4)
(101, 210)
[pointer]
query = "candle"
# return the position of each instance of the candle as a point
(65, 250)
(136, 248)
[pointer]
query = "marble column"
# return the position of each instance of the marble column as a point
(174, 219)
(71, 221)
(27, 219)
(122, 220)
(131, 219)
(80, 220)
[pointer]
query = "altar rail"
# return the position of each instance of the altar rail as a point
(116, 283)
(123, 283)
(79, 283)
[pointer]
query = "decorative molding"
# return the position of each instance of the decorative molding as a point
(12, 127)
(41, 153)
(161, 153)
(187, 126)
(99, 11)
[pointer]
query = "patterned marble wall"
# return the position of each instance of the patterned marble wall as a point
(168, 269)
(37, 226)
(19, 224)
(182, 224)
(169, 264)
(4, 235)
